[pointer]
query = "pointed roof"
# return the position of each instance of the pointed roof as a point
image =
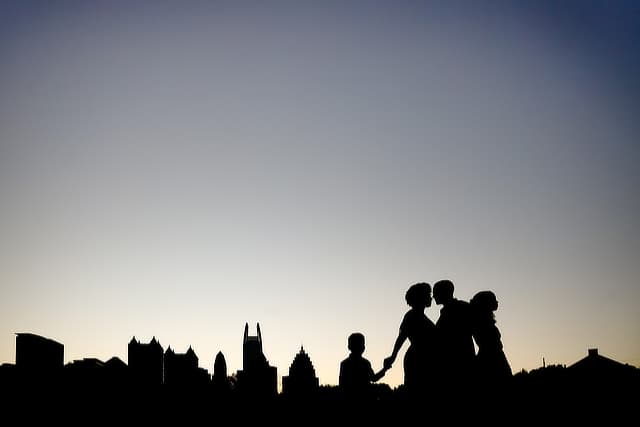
(220, 365)
(595, 361)
(191, 354)
(302, 364)
(154, 342)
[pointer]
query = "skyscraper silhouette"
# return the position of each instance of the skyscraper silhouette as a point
(38, 359)
(257, 378)
(182, 368)
(302, 379)
(146, 362)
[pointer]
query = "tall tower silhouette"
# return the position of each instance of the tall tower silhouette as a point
(220, 366)
(256, 378)
(220, 381)
(302, 380)
(252, 355)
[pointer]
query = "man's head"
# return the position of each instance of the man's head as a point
(443, 292)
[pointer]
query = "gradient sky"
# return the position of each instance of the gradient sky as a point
(178, 169)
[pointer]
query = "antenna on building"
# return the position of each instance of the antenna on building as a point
(544, 364)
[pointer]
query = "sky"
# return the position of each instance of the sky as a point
(177, 170)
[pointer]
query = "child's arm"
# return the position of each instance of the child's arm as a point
(379, 374)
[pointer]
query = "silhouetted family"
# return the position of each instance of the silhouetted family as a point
(441, 356)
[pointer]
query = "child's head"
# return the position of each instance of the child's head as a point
(356, 343)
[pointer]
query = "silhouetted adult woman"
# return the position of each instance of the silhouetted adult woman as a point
(491, 365)
(421, 333)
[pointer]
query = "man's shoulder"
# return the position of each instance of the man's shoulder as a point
(460, 304)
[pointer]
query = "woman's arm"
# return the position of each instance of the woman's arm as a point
(402, 336)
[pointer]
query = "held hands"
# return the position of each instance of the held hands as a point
(380, 373)
(386, 366)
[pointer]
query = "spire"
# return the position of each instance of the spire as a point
(259, 334)
(246, 332)
(220, 366)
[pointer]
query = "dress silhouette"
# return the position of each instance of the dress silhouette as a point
(420, 357)
(356, 374)
(454, 327)
(491, 365)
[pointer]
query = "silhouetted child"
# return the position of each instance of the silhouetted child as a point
(356, 374)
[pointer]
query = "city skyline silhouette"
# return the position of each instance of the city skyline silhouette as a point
(38, 353)
(170, 384)
(179, 170)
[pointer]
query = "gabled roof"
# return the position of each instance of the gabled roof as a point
(597, 363)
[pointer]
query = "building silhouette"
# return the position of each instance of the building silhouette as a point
(256, 378)
(182, 368)
(220, 380)
(8, 376)
(117, 372)
(38, 359)
(302, 379)
(87, 372)
(591, 387)
(595, 362)
(146, 362)
(595, 369)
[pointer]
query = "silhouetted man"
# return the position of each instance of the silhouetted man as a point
(455, 338)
